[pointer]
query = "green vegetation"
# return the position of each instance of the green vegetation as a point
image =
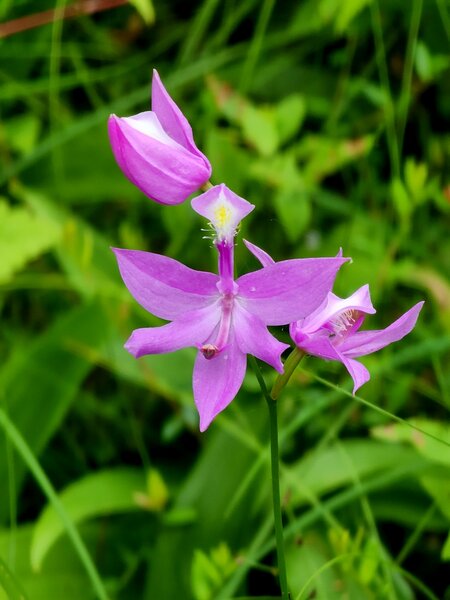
(332, 117)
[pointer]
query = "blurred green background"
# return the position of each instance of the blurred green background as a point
(332, 117)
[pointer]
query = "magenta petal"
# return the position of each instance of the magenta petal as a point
(264, 258)
(224, 210)
(366, 342)
(164, 286)
(358, 372)
(170, 116)
(217, 381)
(288, 290)
(173, 120)
(253, 337)
(333, 306)
(321, 347)
(192, 329)
(164, 171)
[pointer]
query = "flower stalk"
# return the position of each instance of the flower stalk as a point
(275, 471)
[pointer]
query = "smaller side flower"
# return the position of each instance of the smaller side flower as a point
(332, 332)
(156, 150)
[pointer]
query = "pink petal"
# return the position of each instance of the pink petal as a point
(223, 208)
(264, 258)
(217, 381)
(253, 337)
(366, 342)
(192, 329)
(288, 290)
(321, 347)
(164, 286)
(172, 119)
(333, 306)
(358, 372)
(163, 171)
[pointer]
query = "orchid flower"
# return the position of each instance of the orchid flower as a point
(332, 330)
(156, 150)
(224, 318)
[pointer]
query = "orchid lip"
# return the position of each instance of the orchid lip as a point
(211, 350)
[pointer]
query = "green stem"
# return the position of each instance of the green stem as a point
(274, 460)
(289, 367)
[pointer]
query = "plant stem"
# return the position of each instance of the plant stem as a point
(290, 365)
(274, 461)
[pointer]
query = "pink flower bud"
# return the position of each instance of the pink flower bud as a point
(156, 150)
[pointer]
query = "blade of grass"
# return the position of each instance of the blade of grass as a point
(197, 30)
(382, 411)
(256, 45)
(393, 147)
(370, 520)
(39, 474)
(257, 550)
(415, 535)
(405, 94)
(9, 584)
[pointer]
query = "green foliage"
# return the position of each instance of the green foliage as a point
(331, 117)
(98, 494)
(23, 237)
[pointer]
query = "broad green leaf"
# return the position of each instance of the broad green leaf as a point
(62, 576)
(98, 494)
(22, 132)
(259, 128)
(428, 447)
(294, 211)
(289, 114)
(323, 156)
(326, 470)
(23, 237)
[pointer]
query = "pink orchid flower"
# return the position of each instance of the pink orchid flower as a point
(332, 330)
(224, 318)
(156, 150)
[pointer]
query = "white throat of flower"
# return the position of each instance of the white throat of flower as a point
(344, 321)
(224, 219)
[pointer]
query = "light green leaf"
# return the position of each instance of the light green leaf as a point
(347, 11)
(446, 549)
(427, 446)
(146, 9)
(104, 493)
(326, 470)
(294, 211)
(402, 201)
(259, 128)
(23, 236)
(209, 571)
(289, 114)
(439, 490)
